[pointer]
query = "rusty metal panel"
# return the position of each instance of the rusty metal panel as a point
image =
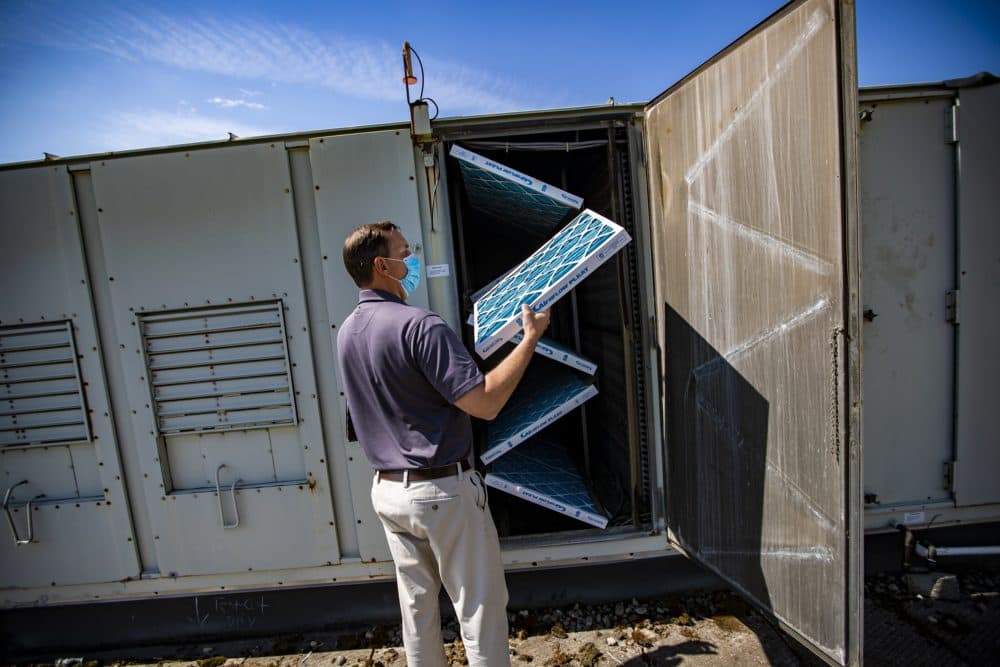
(908, 205)
(203, 234)
(752, 189)
(72, 543)
(48, 297)
(977, 456)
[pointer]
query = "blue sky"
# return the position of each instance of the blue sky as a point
(84, 77)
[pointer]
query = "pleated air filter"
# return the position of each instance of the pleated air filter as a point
(546, 393)
(550, 273)
(543, 473)
(546, 347)
(507, 194)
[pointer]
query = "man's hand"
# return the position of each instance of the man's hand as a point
(535, 324)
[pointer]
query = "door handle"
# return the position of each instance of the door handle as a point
(232, 492)
(10, 517)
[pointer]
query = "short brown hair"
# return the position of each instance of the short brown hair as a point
(363, 245)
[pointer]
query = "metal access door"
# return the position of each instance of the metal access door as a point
(751, 164)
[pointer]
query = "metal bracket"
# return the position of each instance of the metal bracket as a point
(232, 491)
(10, 517)
(951, 124)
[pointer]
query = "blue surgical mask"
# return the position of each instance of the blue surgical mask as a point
(411, 280)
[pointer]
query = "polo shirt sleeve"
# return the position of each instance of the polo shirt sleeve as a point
(443, 359)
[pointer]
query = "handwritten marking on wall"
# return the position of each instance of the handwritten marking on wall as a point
(233, 612)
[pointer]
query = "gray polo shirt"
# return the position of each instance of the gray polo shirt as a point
(402, 368)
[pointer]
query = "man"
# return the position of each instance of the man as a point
(411, 386)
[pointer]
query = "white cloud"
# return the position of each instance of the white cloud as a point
(227, 103)
(275, 53)
(143, 129)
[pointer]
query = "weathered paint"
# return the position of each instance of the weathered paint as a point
(746, 158)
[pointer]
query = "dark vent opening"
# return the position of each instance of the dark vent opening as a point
(601, 318)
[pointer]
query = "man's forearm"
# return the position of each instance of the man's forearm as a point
(487, 399)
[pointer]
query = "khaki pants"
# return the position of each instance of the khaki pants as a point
(441, 532)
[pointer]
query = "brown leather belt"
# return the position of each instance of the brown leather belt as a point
(422, 474)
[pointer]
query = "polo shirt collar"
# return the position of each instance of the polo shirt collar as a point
(367, 295)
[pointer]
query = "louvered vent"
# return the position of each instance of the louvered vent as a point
(41, 397)
(219, 369)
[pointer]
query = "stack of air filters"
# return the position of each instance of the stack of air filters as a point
(524, 462)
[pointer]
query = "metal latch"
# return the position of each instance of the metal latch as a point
(951, 306)
(10, 517)
(232, 492)
(949, 475)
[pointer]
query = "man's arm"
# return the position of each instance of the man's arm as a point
(487, 398)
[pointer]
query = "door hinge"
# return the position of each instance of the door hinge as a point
(951, 124)
(951, 306)
(949, 476)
